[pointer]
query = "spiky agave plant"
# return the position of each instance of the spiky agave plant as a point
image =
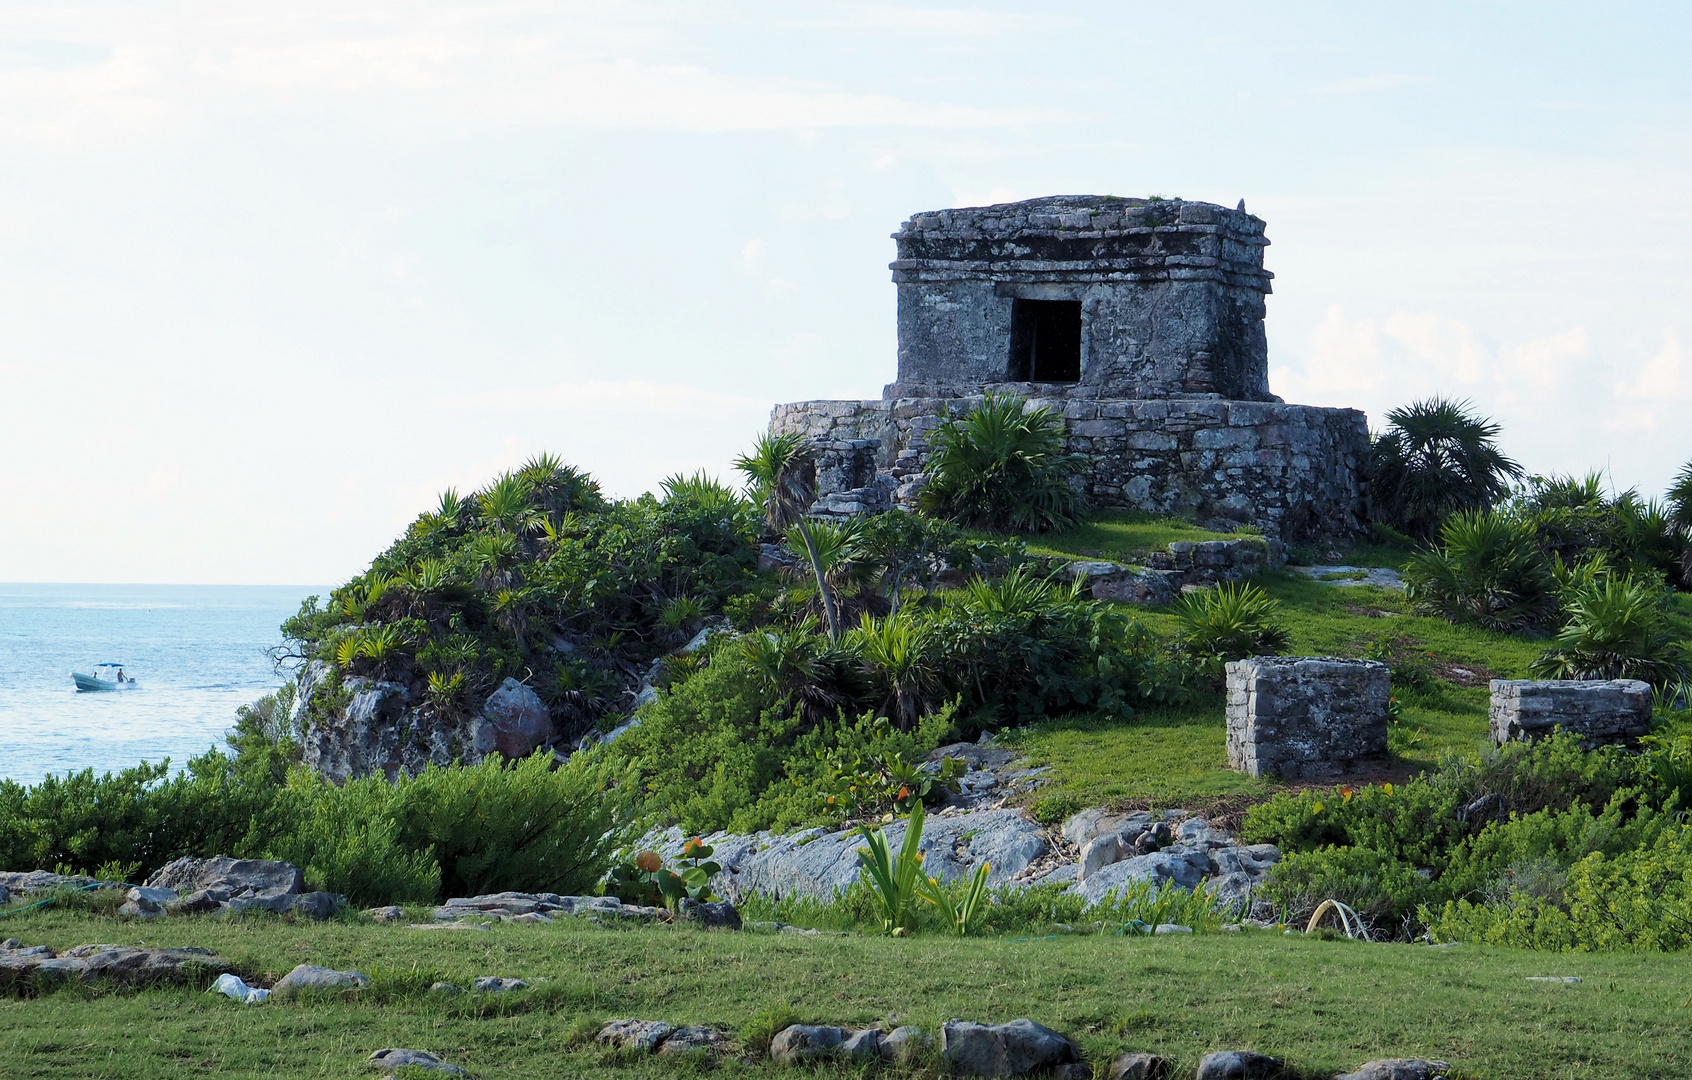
(1437, 458)
(1002, 466)
(895, 654)
(701, 491)
(1231, 622)
(1617, 628)
(507, 504)
(1487, 572)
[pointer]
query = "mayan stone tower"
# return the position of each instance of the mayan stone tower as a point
(1140, 321)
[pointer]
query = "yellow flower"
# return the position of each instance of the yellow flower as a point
(1387, 788)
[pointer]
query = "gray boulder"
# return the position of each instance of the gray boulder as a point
(695, 1040)
(817, 864)
(1014, 1049)
(241, 877)
(494, 984)
(515, 722)
(642, 1036)
(5, 895)
(390, 913)
(26, 882)
(863, 1045)
(1184, 866)
(904, 1045)
(802, 1042)
(1139, 1067)
(142, 902)
(1399, 1069)
(1239, 1065)
(311, 977)
(709, 912)
(119, 964)
(394, 1058)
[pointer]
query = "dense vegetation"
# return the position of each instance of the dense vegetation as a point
(823, 681)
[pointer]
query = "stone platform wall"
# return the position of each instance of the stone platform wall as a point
(1294, 471)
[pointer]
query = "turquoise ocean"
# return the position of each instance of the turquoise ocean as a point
(197, 653)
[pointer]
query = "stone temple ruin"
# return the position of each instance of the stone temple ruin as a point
(1140, 322)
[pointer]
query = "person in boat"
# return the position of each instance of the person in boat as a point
(120, 674)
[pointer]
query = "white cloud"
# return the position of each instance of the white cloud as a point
(1662, 384)
(432, 65)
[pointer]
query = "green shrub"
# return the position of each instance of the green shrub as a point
(1380, 888)
(1486, 572)
(1617, 628)
(1437, 459)
(1002, 466)
(1231, 622)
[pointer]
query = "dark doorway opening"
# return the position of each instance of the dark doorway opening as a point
(1045, 341)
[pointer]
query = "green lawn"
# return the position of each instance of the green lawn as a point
(1121, 536)
(1324, 1005)
(1174, 757)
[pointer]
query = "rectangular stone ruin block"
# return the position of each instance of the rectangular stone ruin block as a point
(1600, 711)
(1306, 717)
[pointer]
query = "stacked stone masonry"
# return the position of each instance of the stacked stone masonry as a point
(1600, 711)
(1154, 354)
(1306, 718)
(1294, 471)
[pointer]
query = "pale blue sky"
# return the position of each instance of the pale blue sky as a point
(272, 275)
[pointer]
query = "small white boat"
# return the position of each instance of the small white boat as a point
(105, 677)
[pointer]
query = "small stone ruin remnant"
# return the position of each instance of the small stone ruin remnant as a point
(1600, 711)
(1306, 717)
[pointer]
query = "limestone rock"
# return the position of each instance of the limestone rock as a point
(122, 965)
(1184, 866)
(390, 913)
(394, 1058)
(311, 977)
(238, 877)
(145, 903)
(1139, 1067)
(863, 1045)
(803, 1042)
(1239, 1065)
(24, 883)
(634, 1035)
(515, 722)
(709, 912)
(816, 864)
(904, 1045)
(695, 1040)
(1014, 1049)
(495, 984)
(1399, 1069)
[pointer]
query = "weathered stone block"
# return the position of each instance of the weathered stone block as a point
(1306, 717)
(1600, 711)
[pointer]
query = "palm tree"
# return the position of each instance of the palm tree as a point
(1002, 466)
(895, 652)
(1680, 512)
(782, 479)
(829, 550)
(559, 488)
(507, 505)
(1436, 459)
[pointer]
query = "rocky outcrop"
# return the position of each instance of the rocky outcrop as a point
(395, 1058)
(657, 1037)
(115, 964)
(229, 886)
(1018, 1048)
(386, 729)
(818, 862)
(514, 722)
(1239, 1065)
(1116, 849)
(310, 977)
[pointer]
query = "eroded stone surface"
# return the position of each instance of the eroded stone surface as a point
(312, 977)
(122, 965)
(1599, 711)
(1139, 1067)
(634, 1035)
(1399, 1069)
(395, 1058)
(1239, 1065)
(1306, 717)
(805, 1042)
(1014, 1049)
